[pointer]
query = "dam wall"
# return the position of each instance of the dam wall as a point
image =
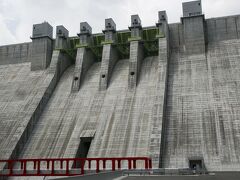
(196, 127)
(168, 92)
(14, 54)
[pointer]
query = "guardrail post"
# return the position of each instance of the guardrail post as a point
(82, 166)
(67, 167)
(34, 164)
(97, 169)
(146, 163)
(48, 164)
(113, 164)
(24, 167)
(53, 167)
(10, 167)
(38, 167)
(129, 164)
(61, 164)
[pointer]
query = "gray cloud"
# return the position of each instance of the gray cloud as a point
(17, 16)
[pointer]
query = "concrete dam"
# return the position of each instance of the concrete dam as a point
(170, 92)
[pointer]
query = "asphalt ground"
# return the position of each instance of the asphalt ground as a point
(118, 176)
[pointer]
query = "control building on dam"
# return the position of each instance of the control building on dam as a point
(170, 92)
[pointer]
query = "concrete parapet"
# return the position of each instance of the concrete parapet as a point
(84, 60)
(16, 53)
(109, 59)
(224, 28)
(194, 34)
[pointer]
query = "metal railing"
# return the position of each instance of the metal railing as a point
(70, 166)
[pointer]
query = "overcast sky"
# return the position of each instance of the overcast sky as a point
(18, 16)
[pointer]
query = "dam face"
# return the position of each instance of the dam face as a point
(170, 92)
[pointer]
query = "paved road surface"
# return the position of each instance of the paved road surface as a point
(117, 176)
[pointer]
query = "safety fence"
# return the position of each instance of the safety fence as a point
(70, 166)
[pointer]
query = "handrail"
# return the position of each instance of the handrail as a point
(65, 164)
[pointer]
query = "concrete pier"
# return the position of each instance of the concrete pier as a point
(85, 57)
(109, 54)
(42, 46)
(136, 51)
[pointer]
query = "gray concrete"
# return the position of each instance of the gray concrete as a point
(84, 60)
(192, 8)
(135, 61)
(194, 34)
(182, 104)
(232, 176)
(110, 31)
(42, 46)
(85, 35)
(62, 38)
(223, 28)
(15, 54)
(41, 53)
(200, 108)
(34, 95)
(109, 59)
(119, 176)
(42, 30)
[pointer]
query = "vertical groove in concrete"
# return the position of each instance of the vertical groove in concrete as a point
(109, 59)
(135, 60)
(83, 62)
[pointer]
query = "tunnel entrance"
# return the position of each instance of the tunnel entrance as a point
(83, 148)
(195, 164)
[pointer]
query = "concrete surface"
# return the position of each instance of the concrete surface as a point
(184, 103)
(15, 54)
